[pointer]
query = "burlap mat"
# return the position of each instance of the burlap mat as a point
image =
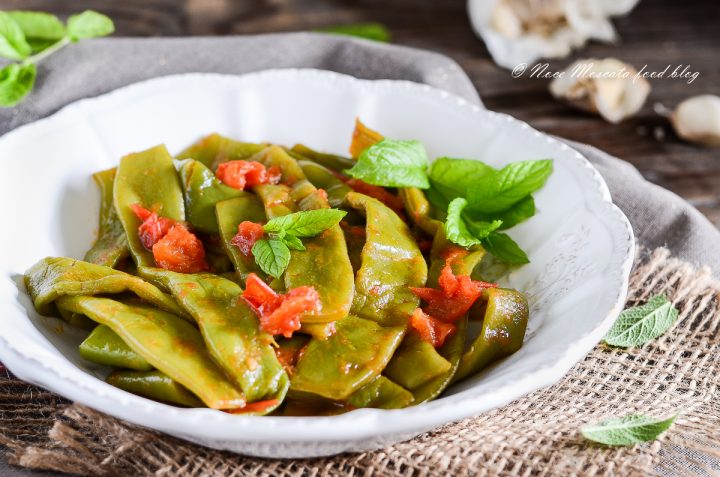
(537, 434)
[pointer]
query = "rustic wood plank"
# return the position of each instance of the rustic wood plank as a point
(656, 33)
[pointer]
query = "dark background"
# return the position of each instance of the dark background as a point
(656, 33)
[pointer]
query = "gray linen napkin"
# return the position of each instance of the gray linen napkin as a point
(658, 216)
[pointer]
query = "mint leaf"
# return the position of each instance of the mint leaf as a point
(89, 24)
(466, 235)
(39, 25)
(292, 242)
(272, 256)
(16, 81)
(369, 31)
(13, 44)
(307, 223)
(638, 325)
(452, 178)
(502, 189)
(505, 249)
(455, 229)
(516, 214)
(393, 163)
(628, 430)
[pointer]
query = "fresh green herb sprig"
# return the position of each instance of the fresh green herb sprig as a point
(369, 31)
(478, 200)
(641, 324)
(272, 254)
(626, 431)
(28, 37)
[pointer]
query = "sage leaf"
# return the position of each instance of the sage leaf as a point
(628, 430)
(641, 324)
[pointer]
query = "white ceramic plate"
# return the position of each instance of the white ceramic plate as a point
(580, 244)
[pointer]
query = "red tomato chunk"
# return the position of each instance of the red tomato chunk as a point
(242, 174)
(180, 251)
(153, 227)
(280, 314)
(248, 234)
(456, 294)
(173, 246)
(431, 329)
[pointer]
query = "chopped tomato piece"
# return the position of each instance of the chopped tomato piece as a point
(180, 251)
(257, 406)
(362, 138)
(455, 295)
(280, 314)
(240, 174)
(153, 227)
(248, 234)
(379, 193)
(260, 295)
(431, 329)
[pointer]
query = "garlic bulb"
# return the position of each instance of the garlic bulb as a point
(523, 31)
(608, 87)
(697, 119)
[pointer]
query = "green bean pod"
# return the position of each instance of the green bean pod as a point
(353, 356)
(55, 277)
(391, 262)
(330, 161)
(167, 342)
(322, 178)
(215, 149)
(149, 179)
(502, 333)
(231, 331)
(154, 385)
(103, 346)
(202, 191)
(111, 246)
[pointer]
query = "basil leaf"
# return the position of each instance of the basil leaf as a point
(369, 31)
(89, 24)
(502, 189)
(628, 430)
(292, 242)
(13, 44)
(453, 178)
(466, 235)
(305, 224)
(638, 325)
(393, 163)
(272, 256)
(16, 81)
(505, 249)
(39, 25)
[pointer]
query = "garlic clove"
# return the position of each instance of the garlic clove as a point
(697, 119)
(523, 31)
(608, 87)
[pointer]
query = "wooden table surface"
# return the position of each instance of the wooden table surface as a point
(657, 33)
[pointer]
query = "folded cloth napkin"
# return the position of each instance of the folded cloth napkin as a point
(658, 216)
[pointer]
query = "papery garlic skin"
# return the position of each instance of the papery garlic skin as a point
(607, 86)
(523, 31)
(697, 119)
